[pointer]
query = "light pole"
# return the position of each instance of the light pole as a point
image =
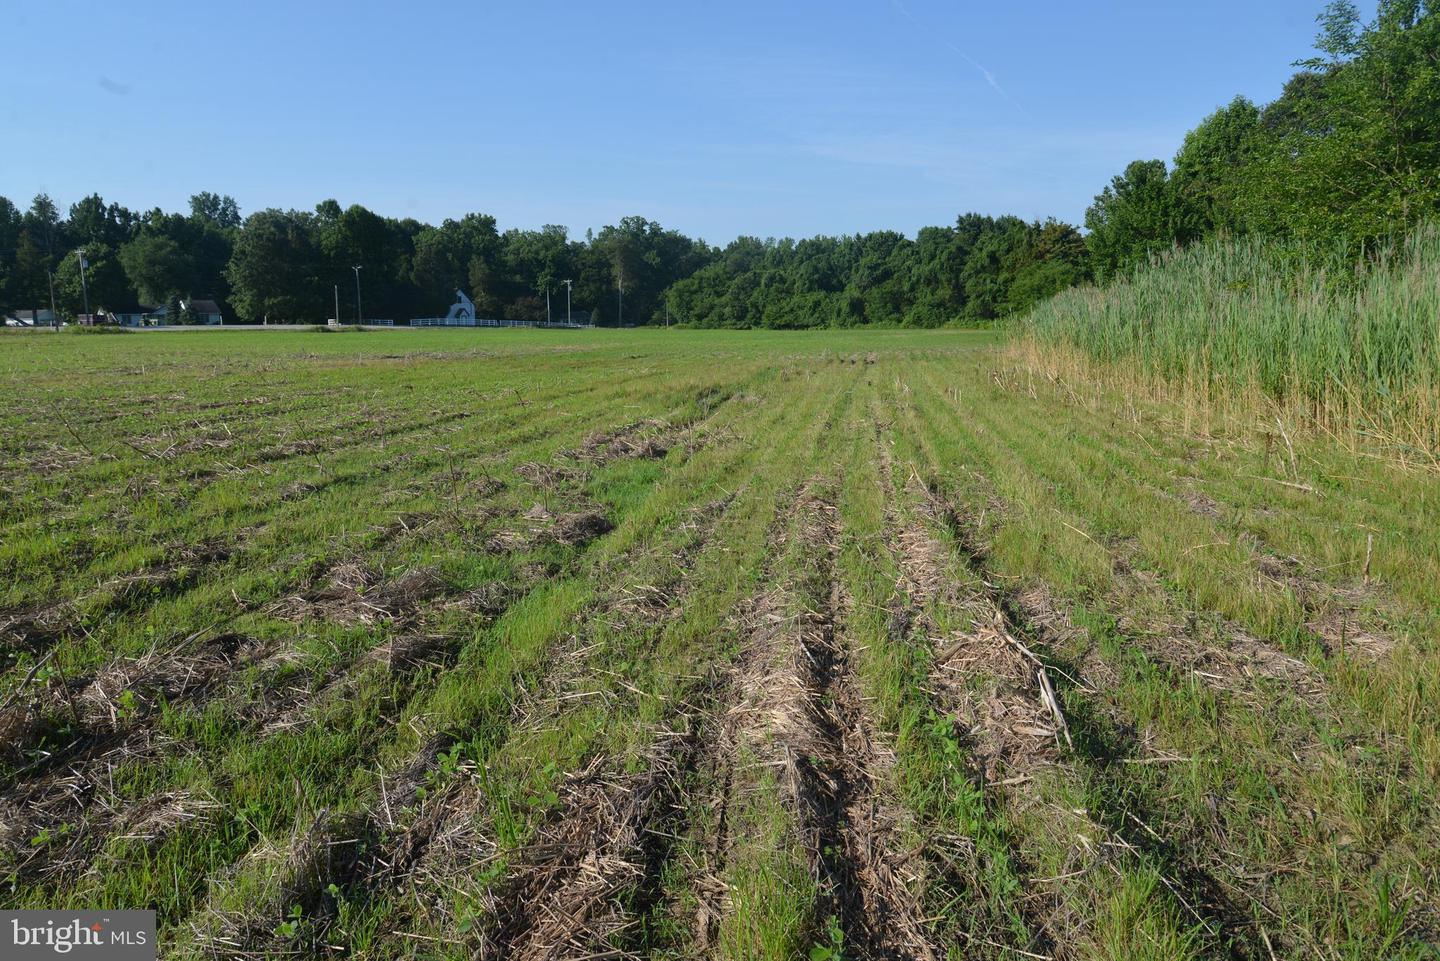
(567, 284)
(337, 304)
(547, 304)
(620, 300)
(359, 314)
(84, 288)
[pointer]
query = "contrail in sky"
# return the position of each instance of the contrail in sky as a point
(989, 77)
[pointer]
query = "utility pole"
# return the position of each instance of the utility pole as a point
(337, 304)
(359, 314)
(84, 288)
(568, 321)
(620, 299)
(54, 317)
(547, 304)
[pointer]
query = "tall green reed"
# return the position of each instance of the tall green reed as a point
(1353, 337)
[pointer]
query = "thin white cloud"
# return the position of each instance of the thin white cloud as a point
(984, 71)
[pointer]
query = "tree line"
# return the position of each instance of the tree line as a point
(974, 272)
(1349, 152)
(155, 255)
(291, 266)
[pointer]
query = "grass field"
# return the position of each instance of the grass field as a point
(598, 644)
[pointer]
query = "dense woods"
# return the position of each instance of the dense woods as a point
(978, 270)
(1348, 154)
(285, 265)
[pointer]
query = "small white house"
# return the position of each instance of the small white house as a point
(462, 312)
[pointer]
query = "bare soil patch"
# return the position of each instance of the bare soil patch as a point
(64, 795)
(183, 567)
(539, 525)
(33, 630)
(356, 593)
(1019, 728)
(1220, 653)
(651, 438)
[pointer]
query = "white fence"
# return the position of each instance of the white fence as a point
(486, 322)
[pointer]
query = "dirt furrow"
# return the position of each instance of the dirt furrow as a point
(986, 683)
(62, 807)
(90, 715)
(647, 439)
(581, 521)
(799, 714)
(33, 630)
(163, 579)
(1017, 727)
(351, 593)
(50, 829)
(1218, 652)
(1013, 726)
(119, 697)
(37, 629)
(564, 885)
(591, 874)
(636, 609)
(572, 890)
(64, 810)
(924, 590)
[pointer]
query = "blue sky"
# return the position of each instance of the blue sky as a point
(716, 118)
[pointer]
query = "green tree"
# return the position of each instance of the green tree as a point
(537, 260)
(29, 280)
(1208, 168)
(458, 254)
(273, 271)
(646, 259)
(157, 267)
(1140, 213)
(220, 211)
(92, 221)
(977, 271)
(1354, 149)
(1051, 257)
(42, 220)
(382, 247)
(181, 255)
(11, 223)
(104, 282)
